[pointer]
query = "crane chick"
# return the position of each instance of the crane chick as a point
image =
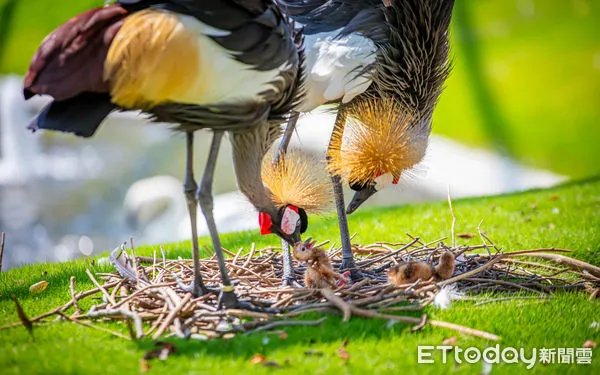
(410, 272)
(319, 273)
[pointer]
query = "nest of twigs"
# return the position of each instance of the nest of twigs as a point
(148, 295)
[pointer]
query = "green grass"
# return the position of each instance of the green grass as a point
(514, 222)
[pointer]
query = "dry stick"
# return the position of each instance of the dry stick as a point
(510, 299)
(531, 251)
(86, 324)
(490, 263)
(436, 241)
(237, 255)
(453, 217)
(462, 276)
(60, 308)
(282, 323)
(248, 314)
(165, 324)
(108, 297)
(134, 261)
(154, 266)
(570, 262)
(502, 282)
(464, 330)
(72, 288)
(139, 291)
(93, 313)
(390, 254)
(158, 320)
(22, 316)
(117, 288)
(532, 264)
(344, 306)
(164, 256)
(227, 252)
(412, 238)
(2, 240)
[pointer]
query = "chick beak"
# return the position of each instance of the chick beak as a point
(360, 197)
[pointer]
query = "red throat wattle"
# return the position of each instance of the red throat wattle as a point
(265, 222)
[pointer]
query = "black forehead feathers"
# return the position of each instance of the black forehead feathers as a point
(303, 220)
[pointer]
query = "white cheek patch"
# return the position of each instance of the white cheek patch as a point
(384, 181)
(289, 221)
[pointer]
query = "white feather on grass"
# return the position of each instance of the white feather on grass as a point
(446, 295)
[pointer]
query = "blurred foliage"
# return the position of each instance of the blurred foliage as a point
(526, 75)
(541, 64)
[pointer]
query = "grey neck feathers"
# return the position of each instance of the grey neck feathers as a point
(413, 64)
(249, 149)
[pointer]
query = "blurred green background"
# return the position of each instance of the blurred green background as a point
(526, 77)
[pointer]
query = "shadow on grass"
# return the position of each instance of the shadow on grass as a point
(304, 337)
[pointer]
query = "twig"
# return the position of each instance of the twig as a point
(165, 324)
(60, 308)
(283, 323)
(509, 299)
(86, 324)
(22, 316)
(406, 319)
(2, 240)
(379, 259)
(108, 297)
(570, 262)
(72, 288)
(464, 330)
(93, 313)
(339, 303)
(453, 217)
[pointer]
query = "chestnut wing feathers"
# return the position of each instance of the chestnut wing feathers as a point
(70, 60)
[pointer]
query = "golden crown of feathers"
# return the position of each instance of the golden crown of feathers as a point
(299, 179)
(378, 138)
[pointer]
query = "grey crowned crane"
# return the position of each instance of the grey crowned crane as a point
(378, 61)
(226, 65)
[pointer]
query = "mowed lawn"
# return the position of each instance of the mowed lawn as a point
(565, 217)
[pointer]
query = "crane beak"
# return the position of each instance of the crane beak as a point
(292, 239)
(360, 197)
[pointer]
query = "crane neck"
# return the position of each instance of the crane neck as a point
(249, 148)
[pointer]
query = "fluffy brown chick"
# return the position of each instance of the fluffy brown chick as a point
(319, 272)
(410, 272)
(445, 268)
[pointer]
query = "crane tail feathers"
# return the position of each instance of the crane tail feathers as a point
(80, 115)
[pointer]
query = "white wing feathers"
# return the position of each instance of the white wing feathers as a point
(334, 67)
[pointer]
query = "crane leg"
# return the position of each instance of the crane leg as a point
(289, 277)
(189, 187)
(204, 195)
(338, 192)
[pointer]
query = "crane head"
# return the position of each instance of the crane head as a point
(289, 223)
(297, 184)
(380, 142)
